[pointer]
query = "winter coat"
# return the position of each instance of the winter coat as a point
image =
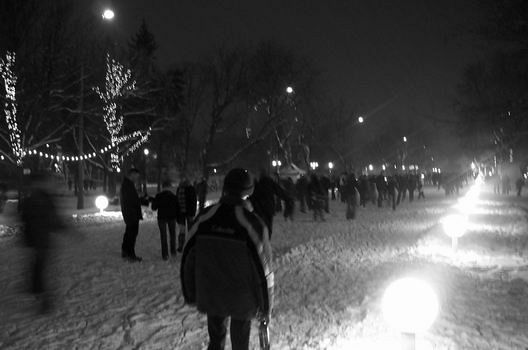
(263, 199)
(40, 219)
(226, 263)
(166, 203)
(186, 195)
(130, 202)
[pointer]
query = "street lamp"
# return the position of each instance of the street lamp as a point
(371, 167)
(405, 139)
(411, 306)
(289, 90)
(330, 165)
(108, 14)
(361, 120)
(146, 151)
(455, 226)
(101, 202)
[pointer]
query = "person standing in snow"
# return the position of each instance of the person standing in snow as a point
(131, 210)
(392, 189)
(226, 265)
(350, 194)
(301, 188)
(187, 203)
(201, 191)
(40, 219)
(317, 197)
(166, 203)
(263, 198)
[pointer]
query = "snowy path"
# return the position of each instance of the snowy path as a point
(330, 277)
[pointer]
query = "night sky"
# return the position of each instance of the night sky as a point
(387, 59)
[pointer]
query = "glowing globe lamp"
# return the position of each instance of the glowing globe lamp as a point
(410, 306)
(455, 226)
(101, 202)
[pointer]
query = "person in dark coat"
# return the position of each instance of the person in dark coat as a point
(263, 198)
(201, 192)
(350, 194)
(381, 187)
(392, 189)
(289, 205)
(226, 265)
(40, 219)
(326, 184)
(317, 197)
(301, 188)
(187, 203)
(363, 190)
(131, 210)
(166, 203)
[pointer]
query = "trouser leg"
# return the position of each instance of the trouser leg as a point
(240, 331)
(129, 238)
(162, 224)
(217, 328)
(172, 236)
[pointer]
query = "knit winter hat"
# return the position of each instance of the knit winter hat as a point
(238, 182)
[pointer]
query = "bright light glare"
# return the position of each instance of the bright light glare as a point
(455, 225)
(410, 305)
(330, 165)
(361, 120)
(108, 14)
(101, 202)
(146, 151)
(371, 167)
(289, 90)
(405, 139)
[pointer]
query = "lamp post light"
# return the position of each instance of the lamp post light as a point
(405, 139)
(101, 203)
(289, 90)
(371, 167)
(455, 226)
(361, 120)
(330, 165)
(410, 306)
(108, 14)
(146, 152)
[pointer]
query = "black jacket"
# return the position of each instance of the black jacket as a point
(166, 203)
(186, 195)
(263, 199)
(130, 202)
(226, 263)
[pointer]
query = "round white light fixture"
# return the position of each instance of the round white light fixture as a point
(101, 203)
(410, 305)
(361, 120)
(146, 151)
(108, 14)
(289, 90)
(455, 225)
(330, 165)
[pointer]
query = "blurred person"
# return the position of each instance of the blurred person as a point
(3, 197)
(226, 265)
(166, 203)
(187, 203)
(326, 184)
(40, 219)
(317, 197)
(392, 189)
(264, 197)
(201, 191)
(350, 194)
(381, 186)
(132, 214)
(301, 188)
(420, 183)
(518, 184)
(363, 190)
(289, 205)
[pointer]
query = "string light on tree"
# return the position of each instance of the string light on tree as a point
(117, 83)
(10, 107)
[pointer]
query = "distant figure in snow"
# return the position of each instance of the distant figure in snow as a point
(350, 195)
(201, 192)
(317, 197)
(166, 203)
(301, 187)
(289, 205)
(519, 184)
(226, 265)
(187, 203)
(40, 219)
(131, 210)
(264, 197)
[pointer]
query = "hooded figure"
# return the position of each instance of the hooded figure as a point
(226, 264)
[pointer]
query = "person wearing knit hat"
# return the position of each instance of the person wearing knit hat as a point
(226, 265)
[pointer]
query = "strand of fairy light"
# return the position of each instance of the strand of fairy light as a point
(143, 135)
(117, 83)
(10, 107)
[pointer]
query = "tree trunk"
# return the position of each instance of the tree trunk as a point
(80, 168)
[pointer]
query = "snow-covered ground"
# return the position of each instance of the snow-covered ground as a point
(329, 276)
